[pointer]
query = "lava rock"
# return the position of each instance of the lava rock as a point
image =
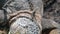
(48, 23)
(55, 31)
(1, 16)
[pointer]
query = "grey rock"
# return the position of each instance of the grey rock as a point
(2, 2)
(52, 10)
(58, 1)
(1, 16)
(48, 23)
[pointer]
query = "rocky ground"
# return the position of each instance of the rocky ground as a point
(52, 10)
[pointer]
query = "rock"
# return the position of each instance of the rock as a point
(48, 23)
(3, 32)
(55, 31)
(2, 2)
(52, 10)
(58, 1)
(1, 16)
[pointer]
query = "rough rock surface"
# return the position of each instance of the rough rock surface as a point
(3, 32)
(1, 16)
(52, 10)
(48, 23)
(55, 31)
